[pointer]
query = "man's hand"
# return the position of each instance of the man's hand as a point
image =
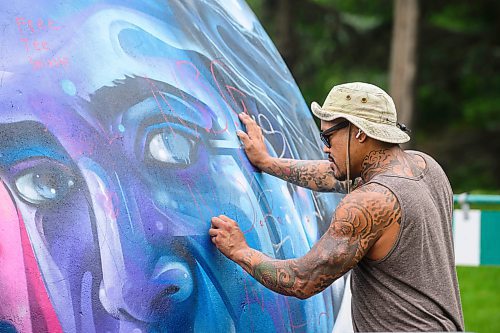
(253, 141)
(314, 175)
(227, 237)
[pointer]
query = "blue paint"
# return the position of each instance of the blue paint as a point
(68, 87)
(116, 181)
(6, 327)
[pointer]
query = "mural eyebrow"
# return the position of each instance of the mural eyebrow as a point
(109, 103)
(118, 98)
(26, 139)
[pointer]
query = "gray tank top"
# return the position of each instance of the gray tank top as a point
(414, 287)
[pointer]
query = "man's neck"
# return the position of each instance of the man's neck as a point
(391, 160)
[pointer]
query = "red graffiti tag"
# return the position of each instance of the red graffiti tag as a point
(33, 34)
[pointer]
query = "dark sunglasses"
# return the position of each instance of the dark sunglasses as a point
(324, 135)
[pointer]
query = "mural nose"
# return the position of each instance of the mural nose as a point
(174, 279)
(155, 297)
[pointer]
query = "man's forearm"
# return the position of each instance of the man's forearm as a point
(335, 253)
(281, 276)
(314, 175)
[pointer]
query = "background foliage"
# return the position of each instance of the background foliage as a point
(457, 100)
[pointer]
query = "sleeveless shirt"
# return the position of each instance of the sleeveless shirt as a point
(414, 287)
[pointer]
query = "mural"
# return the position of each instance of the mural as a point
(118, 143)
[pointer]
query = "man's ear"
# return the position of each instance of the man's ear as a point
(361, 136)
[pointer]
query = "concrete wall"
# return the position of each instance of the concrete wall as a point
(117, 145)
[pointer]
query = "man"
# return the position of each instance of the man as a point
(393, 230)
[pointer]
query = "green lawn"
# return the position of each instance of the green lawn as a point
(480, 291)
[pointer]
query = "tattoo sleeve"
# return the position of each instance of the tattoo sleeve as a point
(314, 175)
(359, 221)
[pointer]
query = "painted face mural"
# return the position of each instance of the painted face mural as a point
(118, 144)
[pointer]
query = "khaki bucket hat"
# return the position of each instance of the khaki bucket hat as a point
(365, 105)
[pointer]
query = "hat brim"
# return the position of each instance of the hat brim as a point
(382, 132)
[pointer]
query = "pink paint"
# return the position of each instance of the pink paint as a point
(212, 70)
(200, 197)
(107, 199)
(13, 284)
(321, 315)
(291, 316)
(32, 46)
(196, 203)
(196, 83)
(51, 25)
(56, 62)
(164, 115)
(20, 23)
(24, 298)
(35, 26)
(44, 317)
(232, 89)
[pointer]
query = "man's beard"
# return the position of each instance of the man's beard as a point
(339, 175)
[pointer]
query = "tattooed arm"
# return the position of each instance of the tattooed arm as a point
(359, 221)
(315, 175)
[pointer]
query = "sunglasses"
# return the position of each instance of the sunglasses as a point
(325, 135)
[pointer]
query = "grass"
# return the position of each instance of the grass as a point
(480, 293)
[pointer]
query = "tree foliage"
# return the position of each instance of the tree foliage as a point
(457, 106)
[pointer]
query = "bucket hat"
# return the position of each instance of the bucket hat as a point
(365, 105)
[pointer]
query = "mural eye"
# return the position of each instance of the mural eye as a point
(171, 148)
(44, 185)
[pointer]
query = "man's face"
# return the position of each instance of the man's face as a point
(117, 146)
(338, 147)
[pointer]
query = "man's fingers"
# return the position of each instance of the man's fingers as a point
(245, 118)
(218, 223)
(253, 129)
(226, 219)
(222, 222)
(226, 235)
(243, 137)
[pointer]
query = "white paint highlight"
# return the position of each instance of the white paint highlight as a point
(229, 144)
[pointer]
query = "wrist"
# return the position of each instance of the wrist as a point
(243, 257)
(264, 163)
(239, 255)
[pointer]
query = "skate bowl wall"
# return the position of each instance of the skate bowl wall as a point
(118, 143)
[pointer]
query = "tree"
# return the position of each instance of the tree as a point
(403, 64)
